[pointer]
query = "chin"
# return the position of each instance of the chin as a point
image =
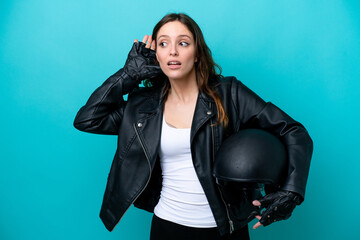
(177, 74)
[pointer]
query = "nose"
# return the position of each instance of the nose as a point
(173, 50)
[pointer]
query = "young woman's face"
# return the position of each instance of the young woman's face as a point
(175, 50)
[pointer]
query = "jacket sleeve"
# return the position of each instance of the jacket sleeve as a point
(255, 112)
(104, 110)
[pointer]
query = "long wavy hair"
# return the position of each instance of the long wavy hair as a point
(205, 67)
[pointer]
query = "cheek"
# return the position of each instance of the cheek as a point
(161, 61)
(190, 55)
(159, 58)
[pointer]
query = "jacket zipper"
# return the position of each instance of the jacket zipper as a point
(147, 158)
(227, 210)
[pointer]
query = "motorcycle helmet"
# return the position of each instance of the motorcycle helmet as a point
(250, 159)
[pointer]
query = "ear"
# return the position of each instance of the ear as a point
(157, 59)
(196, 59)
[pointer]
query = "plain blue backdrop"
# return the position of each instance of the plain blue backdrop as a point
(301, 55)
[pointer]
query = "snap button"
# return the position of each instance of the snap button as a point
(208, 112)
(139, 124)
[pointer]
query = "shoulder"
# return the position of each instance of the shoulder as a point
(145, 92)
(228, 83)
(230, 88)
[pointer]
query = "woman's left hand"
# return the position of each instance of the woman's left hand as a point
(279, 206)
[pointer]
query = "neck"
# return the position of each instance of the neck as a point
(183, 90)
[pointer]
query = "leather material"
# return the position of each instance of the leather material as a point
(279, 206)
(135, 174)
(140, 65)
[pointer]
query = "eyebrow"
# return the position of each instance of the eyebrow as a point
(183, 35)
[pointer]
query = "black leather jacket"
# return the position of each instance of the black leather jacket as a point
(135, 175)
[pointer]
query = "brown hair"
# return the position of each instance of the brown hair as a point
(205, 66)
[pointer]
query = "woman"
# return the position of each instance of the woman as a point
(169, 131)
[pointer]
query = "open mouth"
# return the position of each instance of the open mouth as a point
(174, 64)
(171, 63)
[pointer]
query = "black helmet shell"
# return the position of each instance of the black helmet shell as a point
(251, 156)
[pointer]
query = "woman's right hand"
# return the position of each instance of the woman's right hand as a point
(150, 42)
(140, 63)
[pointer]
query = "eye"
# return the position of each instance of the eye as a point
(184, 44)
(162, 44)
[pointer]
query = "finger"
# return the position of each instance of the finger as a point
(269, 216)
(258, 224)
(145, 38)
(148, 44)
(135, 40)
(256, 203)
(267, 200)
(253, 214)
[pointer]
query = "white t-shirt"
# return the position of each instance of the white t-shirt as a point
(182, 198)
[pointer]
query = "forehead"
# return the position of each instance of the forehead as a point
(173, 30)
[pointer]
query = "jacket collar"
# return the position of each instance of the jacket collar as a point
(154, 106)
(155, 102)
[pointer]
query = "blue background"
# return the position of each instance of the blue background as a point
(301, 55)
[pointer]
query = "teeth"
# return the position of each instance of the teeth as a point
(177, 63)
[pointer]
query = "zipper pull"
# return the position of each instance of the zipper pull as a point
(231, 226)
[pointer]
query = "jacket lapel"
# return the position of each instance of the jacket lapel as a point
(203, 112)
(150, 115)
(149, 123)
